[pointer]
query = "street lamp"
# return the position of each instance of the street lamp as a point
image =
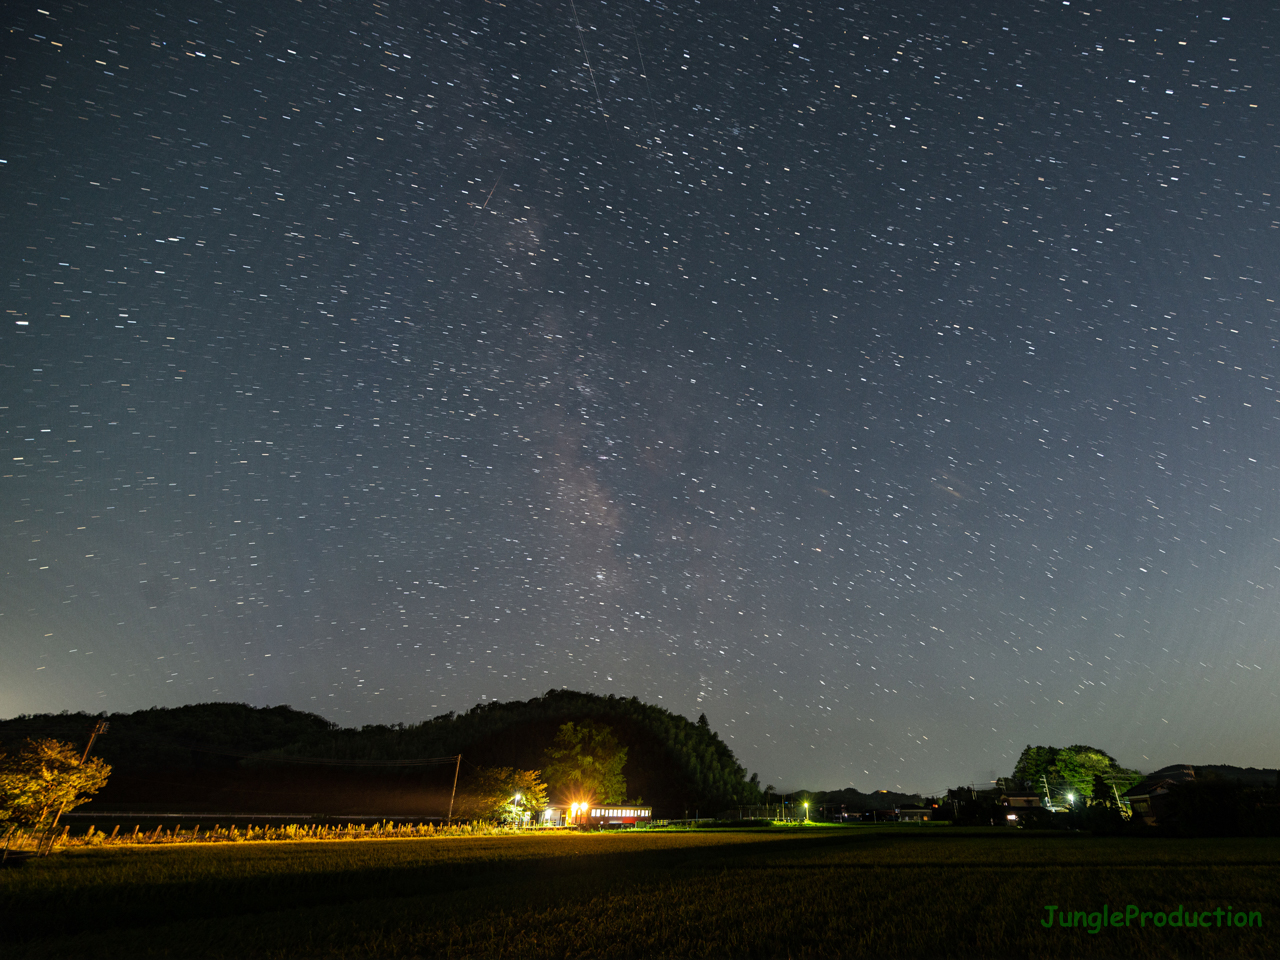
(806, 810)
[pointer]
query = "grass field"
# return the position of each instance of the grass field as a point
(798, 892)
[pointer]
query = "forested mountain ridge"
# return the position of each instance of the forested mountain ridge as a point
(857, 801)
(200, 734)
(671, 759)
(673, 763)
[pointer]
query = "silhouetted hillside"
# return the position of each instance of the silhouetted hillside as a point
(671, 762)
(854, 801)
(1248, 776)
(199, 735)
(224, 756)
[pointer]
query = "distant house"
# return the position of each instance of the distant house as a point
(829, 812)
(1014, 801)
(915, 814)
(553, 816)
(1020, 799)
(1148, 799)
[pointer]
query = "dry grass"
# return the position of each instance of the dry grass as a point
(886, 892)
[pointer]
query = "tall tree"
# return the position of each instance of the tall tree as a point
(586, 760)
(1036, 762)
(1080, 764)
(45, 779)
(1076, 769)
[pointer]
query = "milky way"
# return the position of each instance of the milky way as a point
(894, 383)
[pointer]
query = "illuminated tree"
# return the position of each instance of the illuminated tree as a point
(45, 780)
(1080, 764)
(1076, 769)
(586, 759)
(503, 794)
(1036, 762)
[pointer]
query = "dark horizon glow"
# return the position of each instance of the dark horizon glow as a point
(894, 383)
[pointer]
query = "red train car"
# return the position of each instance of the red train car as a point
(621, 815)
(597, 815)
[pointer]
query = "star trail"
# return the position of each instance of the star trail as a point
(894, 383)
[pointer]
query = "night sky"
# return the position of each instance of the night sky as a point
(896, 383)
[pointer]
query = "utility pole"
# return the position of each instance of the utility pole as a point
(1044, 779)
(99, 728)
(456, 770)
(1120, 801)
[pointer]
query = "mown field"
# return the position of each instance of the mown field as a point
(784, 892)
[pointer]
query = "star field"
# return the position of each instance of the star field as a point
(895, 383)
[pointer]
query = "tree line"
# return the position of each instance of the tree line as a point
(672, 763)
